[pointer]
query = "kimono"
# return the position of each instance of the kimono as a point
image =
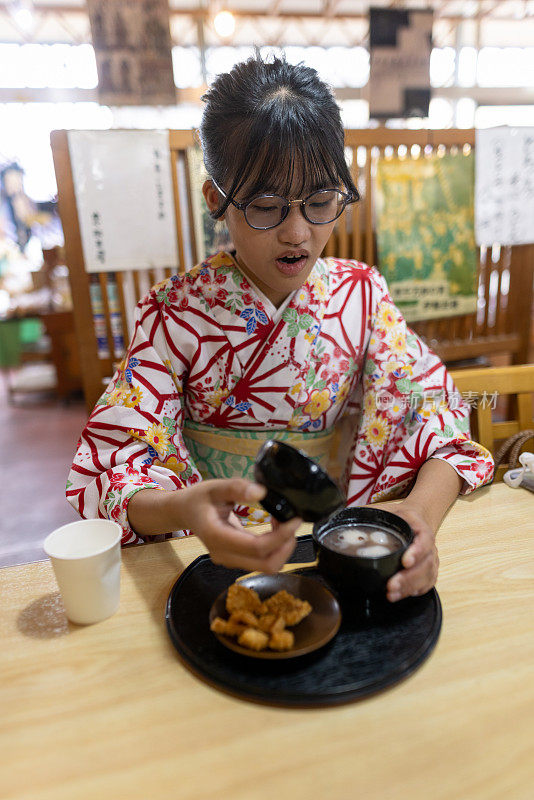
(209, 351)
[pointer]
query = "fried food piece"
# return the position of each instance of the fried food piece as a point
(279, 624)
(298, 614)
(246, 618)
(271, 622)
(218, 625)
(227, 627)
(234, 628)
(266, 622)
(279, 602)
(241, 598)
(291, 608)
(253, 639)
(281, 640)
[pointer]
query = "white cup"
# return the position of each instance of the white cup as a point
(86, 557)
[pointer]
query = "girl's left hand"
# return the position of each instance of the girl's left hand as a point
(420, 561)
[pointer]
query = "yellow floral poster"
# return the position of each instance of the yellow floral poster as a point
(425, 234)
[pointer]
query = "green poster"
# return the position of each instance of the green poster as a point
(425, 234)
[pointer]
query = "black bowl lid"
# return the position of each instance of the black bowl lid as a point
(296, 484)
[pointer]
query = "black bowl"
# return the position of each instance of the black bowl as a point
(297, 486)
(355, 576)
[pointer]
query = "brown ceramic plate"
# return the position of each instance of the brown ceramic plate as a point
(313, 632)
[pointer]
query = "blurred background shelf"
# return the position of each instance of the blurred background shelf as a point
(39, 354)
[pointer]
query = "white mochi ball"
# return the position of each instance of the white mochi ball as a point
(373, 550)
(354, 537)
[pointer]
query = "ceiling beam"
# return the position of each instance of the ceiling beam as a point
(485, 96)
(441, 12)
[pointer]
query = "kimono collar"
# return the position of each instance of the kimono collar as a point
(308, 298)
(255, 338)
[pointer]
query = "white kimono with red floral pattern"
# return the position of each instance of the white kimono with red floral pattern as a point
(206, 348)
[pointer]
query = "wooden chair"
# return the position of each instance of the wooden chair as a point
(484, 389)
(127, 287)
(502, 325)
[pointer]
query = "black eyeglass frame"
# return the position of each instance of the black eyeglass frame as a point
(348, 199)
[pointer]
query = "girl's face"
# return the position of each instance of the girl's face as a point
(260, 254)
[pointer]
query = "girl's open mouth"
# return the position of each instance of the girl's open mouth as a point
(291, 265)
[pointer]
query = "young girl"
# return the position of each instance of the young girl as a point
(270, 340)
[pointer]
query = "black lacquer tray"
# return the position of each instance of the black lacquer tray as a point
(368, 654)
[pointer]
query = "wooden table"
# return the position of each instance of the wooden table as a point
(109, 711)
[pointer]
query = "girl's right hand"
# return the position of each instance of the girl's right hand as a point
(206, 510)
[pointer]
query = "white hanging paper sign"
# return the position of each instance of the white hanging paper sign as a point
(504, 186)
(123, 186)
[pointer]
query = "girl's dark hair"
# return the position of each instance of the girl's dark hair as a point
(267, 124)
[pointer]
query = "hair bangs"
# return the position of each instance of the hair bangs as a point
(291, 165)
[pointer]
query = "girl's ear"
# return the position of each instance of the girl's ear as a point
(211, 195)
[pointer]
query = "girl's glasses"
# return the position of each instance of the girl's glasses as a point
(269, 210)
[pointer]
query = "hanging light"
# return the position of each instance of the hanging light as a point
(22, 13)
(224, 24)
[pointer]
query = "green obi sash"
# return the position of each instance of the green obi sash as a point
(226, 453)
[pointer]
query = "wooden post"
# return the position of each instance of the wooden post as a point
(78, 277)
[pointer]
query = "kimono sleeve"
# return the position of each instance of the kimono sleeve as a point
(410, 412)
(133, 438)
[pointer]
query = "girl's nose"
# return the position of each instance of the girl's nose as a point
(295, 229)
